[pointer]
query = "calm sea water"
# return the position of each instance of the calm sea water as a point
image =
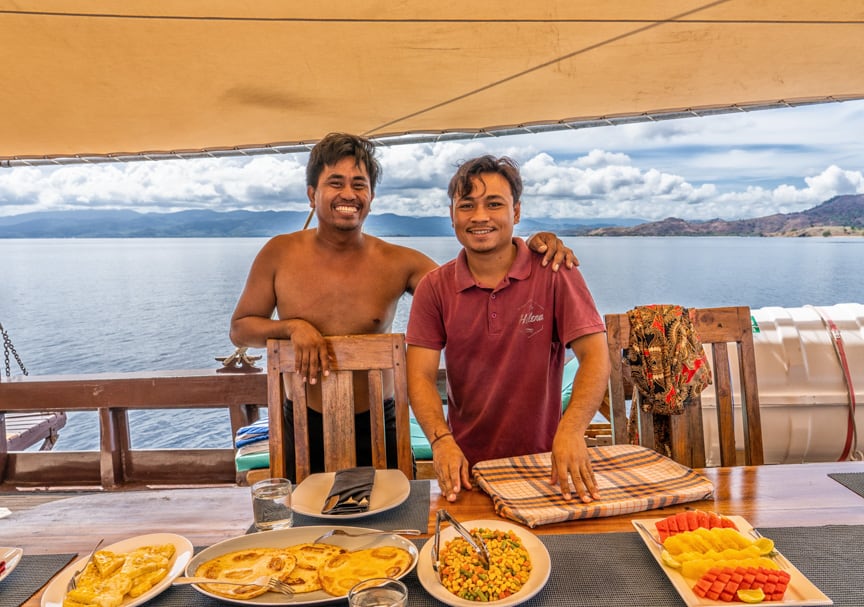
(90, 306)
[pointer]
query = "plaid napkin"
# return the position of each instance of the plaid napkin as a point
(630, 478)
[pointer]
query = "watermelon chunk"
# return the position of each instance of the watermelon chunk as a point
(724, 583)
(691, 520)
(673, 525)
(662, 529)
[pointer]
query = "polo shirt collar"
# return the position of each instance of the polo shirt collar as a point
(520, 270)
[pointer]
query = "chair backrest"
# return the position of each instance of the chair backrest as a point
(372, 355)
(717, 327)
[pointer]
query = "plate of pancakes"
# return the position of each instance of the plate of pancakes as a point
(319, 573)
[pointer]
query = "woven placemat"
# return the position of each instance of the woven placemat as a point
(595, 570)
(617, 570)
(32, 572)
(828, 556)
(854, 481)
(583, 568)
(183, 596)
(413, 513)
(589, 570)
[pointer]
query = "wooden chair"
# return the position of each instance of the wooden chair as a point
(370, 354)
(717, 327)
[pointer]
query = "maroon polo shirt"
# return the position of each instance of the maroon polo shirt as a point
(503, 349)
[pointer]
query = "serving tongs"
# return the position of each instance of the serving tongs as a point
(474, 541)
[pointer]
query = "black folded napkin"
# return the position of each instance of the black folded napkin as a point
(350, 491)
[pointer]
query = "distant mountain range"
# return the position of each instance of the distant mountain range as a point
(839, 216)
(214, 224)
(842, 215)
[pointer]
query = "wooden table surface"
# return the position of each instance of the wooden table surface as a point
(767, 496)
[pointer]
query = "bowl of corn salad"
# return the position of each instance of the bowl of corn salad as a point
(519, 566)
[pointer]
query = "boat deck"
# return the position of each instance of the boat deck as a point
(19, 501)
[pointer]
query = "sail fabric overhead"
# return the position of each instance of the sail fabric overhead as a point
(91, 79)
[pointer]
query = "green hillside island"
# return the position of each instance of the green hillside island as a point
(840, 216)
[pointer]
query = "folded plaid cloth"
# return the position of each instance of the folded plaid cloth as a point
(350, 491)
(630, 478)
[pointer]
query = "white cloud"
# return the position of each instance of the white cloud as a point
(730, 166)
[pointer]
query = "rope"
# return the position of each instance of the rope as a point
(850, 449)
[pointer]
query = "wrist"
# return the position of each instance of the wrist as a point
(437, 437)
(292, 325)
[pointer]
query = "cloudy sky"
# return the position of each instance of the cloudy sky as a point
(730, 166)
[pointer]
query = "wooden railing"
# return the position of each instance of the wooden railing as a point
(112, 395)
(116, 465)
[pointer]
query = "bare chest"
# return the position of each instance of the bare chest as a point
(340, 301)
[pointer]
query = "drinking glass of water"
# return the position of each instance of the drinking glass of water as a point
(378, 592)
(271, 504)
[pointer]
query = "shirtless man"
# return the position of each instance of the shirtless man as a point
(336, 280)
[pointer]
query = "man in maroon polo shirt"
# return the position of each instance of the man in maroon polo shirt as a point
(505, 326)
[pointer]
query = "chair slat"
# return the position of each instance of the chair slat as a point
(371, 356)
(338, 420)
(716, 327)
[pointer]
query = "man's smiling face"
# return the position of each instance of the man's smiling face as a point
(484, 217)
(343, 196)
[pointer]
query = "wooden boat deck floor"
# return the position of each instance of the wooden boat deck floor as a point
(25, 500)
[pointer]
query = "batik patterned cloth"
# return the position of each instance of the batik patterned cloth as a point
(630, 478)
(667, 365)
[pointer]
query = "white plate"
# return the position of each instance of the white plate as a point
(390, 488)
(799, 592)
(282, 538)
(11, 556)
(541, 566)
(56, 590)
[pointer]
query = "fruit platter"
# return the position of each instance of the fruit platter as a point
(715, 560)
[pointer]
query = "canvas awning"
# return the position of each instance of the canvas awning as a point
(92, 79)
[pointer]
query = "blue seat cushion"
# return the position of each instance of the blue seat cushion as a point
(419, 444)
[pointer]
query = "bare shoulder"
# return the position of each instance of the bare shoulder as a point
(410, 259)
(283, 244)
(409, 265)
(290, 239)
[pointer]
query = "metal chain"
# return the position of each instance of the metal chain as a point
(7, 349)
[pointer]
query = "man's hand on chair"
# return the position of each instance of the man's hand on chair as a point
(310, 352)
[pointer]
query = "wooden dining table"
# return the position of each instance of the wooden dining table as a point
(788, 495)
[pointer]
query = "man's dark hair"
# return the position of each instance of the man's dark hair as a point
(460, 184)
(336, 146)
